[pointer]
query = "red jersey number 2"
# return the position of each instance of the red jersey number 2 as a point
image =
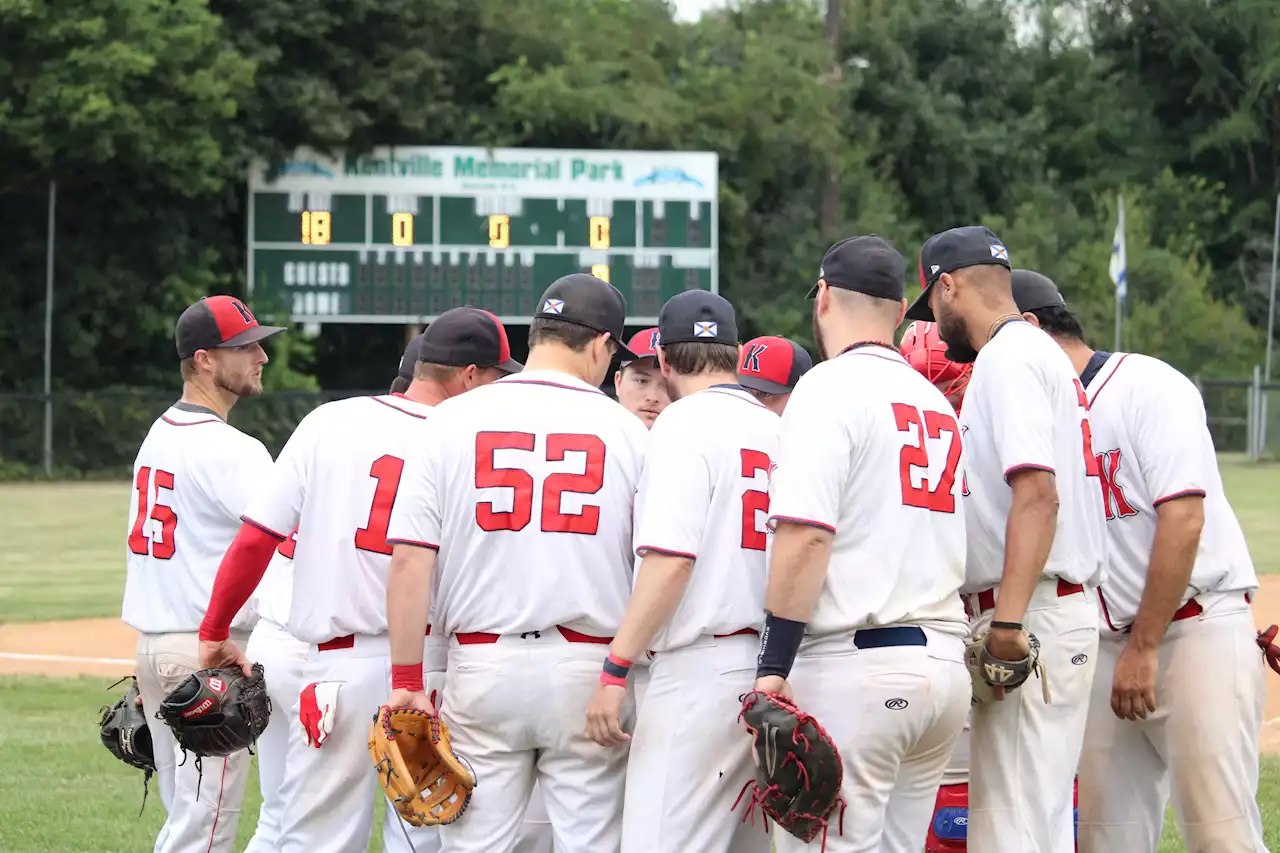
(373, 536)
(140, 543)
(754, 501)
(916, 455)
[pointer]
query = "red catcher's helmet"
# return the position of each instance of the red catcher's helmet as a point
(924, 350)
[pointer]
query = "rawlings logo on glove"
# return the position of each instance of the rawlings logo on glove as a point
(798, 768)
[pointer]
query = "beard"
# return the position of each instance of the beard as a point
(955, 334)
(673, 393)
(817, 335)
(242, 385)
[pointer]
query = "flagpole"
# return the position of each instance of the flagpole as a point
(1119, 269)
(1119, 320)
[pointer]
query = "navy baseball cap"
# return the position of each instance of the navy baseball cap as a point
(697, 316)
(772, 365)
(866, 264)
(217, 322)
(410, 357)
(584, 300)
(948, 251)
(466, 335)
(1033, 291)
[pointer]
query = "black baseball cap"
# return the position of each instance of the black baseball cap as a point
(410, 357)
(585, 300)
(1033, 291)
(955, 249)
(217, 322)
(773, 365)
(697, 316)
(462, 336)
(866, 264)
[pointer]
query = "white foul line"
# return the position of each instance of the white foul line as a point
(64, 659)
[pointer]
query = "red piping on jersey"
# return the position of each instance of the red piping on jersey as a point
(239, 574)
(217, 810)
(398, 409)
(1026, 466)
(806, 521)
(165, 418)
(666, 553)
(264, 528)
(1108, 379)
(548, 384)
(1185, 493)
(413, 542)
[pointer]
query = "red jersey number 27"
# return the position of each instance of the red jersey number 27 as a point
(915, 455)
(163, 546)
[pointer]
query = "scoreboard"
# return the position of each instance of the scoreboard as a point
(400, 235)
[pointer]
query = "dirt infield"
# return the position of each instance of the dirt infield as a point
(104, 647)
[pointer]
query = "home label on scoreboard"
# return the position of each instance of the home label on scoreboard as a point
(400, 235)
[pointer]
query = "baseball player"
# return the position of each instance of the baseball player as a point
(1035, 541)
(522, 499)
(335, 482)
(769, 369)
(699, 591)
(192, 478)
(638, 383)
(1178, 696)
(926, 351)
(863, 617)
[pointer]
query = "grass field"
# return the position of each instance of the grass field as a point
(63, 559)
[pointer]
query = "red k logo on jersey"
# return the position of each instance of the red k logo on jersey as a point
(1113, 499)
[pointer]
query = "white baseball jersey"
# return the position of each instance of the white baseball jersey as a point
(335, 483)
(192, 478)
(704, 494)
(526, 488)
(1152, 443)
(1025, 408)
(275, 593)
(871, 451)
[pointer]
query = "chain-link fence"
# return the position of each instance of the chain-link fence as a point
(1244, 415)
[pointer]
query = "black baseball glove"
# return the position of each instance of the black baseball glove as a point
(217, 712)
(798, 768)
(124, 732)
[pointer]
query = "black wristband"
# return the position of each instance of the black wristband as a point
(779, 642)
(617, 670)
(1012, 626)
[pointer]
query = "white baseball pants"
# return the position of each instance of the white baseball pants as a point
(894, 713)
(203, 806)
(1201, 743)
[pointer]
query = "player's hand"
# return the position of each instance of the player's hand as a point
(1133, 689)
(604, 715)
(401, 698)
(775, 684)
(1006, 644)
(215, 655)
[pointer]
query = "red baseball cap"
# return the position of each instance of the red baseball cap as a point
(773, 365)
(216, 322)
(644, 344)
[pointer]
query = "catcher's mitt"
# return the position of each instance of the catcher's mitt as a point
(1266, 642)
(417, 767)
(124, 732)
(798, 768)
(988, 671)
(217, 712)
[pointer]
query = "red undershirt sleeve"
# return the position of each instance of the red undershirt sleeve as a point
(239, 574)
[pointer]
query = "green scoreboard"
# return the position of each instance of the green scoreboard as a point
(402, 234)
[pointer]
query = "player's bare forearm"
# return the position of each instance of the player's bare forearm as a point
(660, 584)
(409, 601)
(1173, 556)
(1029, 531)
(797, 569)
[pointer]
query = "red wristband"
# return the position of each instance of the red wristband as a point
(407, 677)
(622, 662)
(612, 680)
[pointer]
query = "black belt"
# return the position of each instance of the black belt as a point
(897, 635)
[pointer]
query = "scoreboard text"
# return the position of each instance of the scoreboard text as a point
(400, 235)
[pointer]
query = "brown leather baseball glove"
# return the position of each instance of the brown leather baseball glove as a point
(417, 767)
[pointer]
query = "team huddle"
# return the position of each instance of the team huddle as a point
(584, 589)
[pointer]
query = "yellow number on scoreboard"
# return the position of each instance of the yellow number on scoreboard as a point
(315, 227)
(402, 229)
(599, 232)
(600, 271)
(499, 231)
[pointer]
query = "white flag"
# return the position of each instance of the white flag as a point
(1119, 258)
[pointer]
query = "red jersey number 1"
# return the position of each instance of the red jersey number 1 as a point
(373, 536)
(140, 543)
